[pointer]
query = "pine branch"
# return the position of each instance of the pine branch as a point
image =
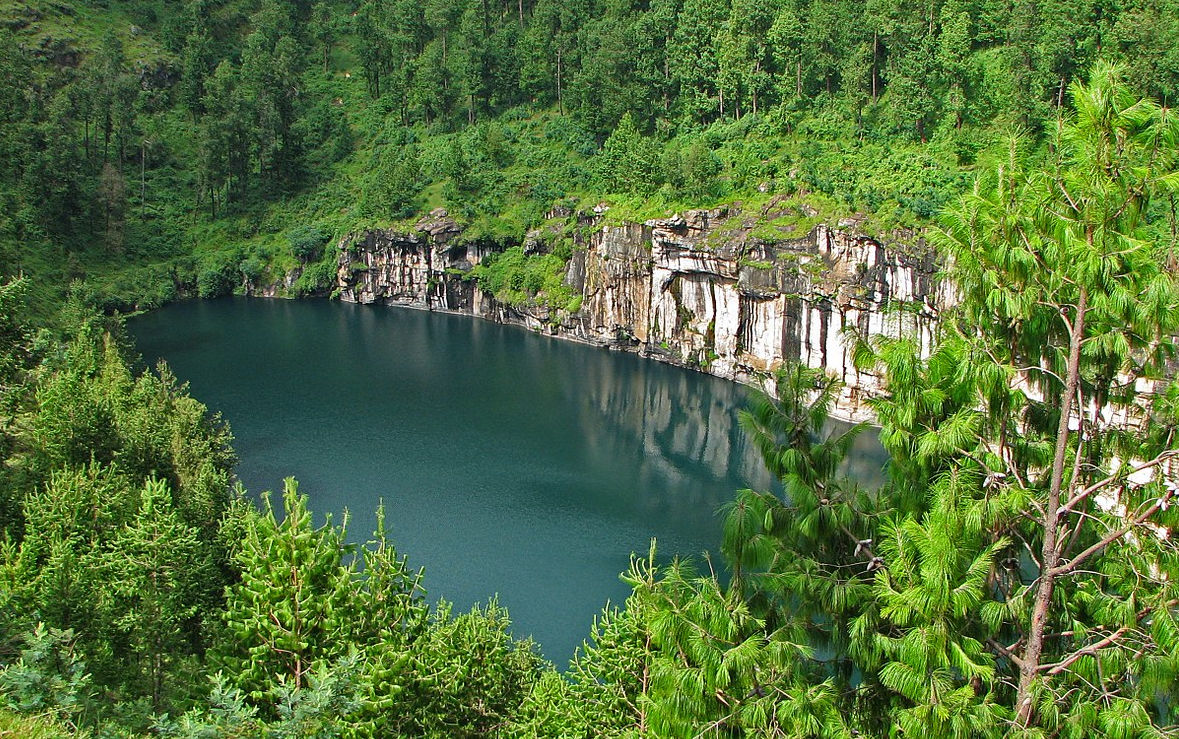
(1008, 652)
(1160, 459)
(1076, 562)
(1055, 668)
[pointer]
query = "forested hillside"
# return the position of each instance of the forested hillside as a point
(1015, 575)
(155, 148)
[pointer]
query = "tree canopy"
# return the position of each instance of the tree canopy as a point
(1015, 575)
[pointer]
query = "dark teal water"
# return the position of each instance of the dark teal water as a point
(510, 463)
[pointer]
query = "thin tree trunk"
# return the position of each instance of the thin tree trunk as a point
(875, 47)
(667, 81)
(753, 91)
(1029, 664)
(142, 178)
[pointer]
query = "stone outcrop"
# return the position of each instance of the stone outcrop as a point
(709, 290)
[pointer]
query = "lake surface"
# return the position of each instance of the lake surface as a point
(510, 463)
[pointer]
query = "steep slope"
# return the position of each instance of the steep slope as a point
(706, 290)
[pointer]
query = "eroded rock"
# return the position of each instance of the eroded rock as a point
(698, 289)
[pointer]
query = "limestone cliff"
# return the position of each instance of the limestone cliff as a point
(711, 290)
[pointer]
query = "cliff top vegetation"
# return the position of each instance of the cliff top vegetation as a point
(156, 149)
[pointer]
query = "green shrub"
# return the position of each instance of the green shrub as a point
(215, 276)
(628, 163)
(252, 269)
(49, 678)
(519, 279)
(307, 242)
(316, 278)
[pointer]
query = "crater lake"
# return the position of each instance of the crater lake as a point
(511, 464)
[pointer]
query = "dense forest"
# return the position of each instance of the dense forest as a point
(1015, 575)
(154, 149)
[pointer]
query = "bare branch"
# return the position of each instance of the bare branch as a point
(1085, 493)
(1055, 668)
(1076, 561)
(1008, 652)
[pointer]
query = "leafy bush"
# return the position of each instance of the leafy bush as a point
(316, 278)
(519, 279)
(252, 268)
(628, 162)
(213, 282)
(307, 242)
(391, 186)
(141, 288)
(49, 678)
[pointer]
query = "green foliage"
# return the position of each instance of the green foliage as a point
(469, 675)
(292, 609)
(93, 409)
(601, 694)
(316, 636)
(694, 170)
(133, 587)
(158, 575)
(318, 277)
(16, 359)
(1010, 578)
(49, 678)
(118, 487)
(628, 162)
(522, 280)
(307, 242)
(216, 276)
(391, 186)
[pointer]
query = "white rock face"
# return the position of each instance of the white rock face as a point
(699, 290)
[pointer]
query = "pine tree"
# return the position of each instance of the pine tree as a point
(157, 574)
(1015, 575)
(1032, 414)
(293, 609)
(627, 161)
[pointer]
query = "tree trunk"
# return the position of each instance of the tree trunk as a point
(1029, 664)
(753, 88)
(142, 178)
(875, 47)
